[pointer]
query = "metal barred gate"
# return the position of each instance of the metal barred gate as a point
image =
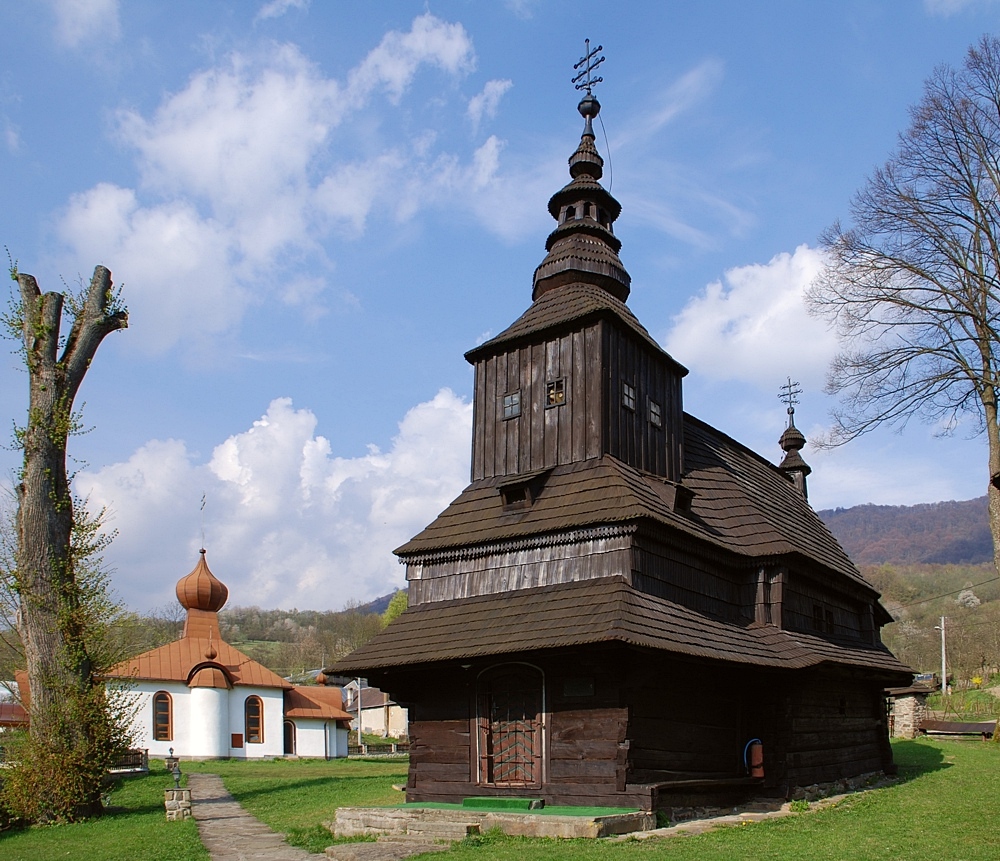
(510, 726)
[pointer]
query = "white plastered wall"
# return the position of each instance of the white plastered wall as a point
(141, 696)
(274, 711)
(317, 738)
(385, 721)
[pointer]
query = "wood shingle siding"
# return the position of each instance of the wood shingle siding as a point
(594, 611)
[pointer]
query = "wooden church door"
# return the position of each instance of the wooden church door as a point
(510, 712)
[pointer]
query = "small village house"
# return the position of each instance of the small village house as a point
(380, 714)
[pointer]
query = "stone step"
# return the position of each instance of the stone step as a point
(441, 830)
(393, 849)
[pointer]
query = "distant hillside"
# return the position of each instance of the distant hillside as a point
(935, 533)
(379, 605)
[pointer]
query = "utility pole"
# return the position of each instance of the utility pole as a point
(944, 660)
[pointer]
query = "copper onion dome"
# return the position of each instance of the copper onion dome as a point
(201, 589)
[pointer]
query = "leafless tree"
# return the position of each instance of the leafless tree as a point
(913, 286)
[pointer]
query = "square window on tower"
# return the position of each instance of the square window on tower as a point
(628, 396)
(655, 414)
(512, 405)
(555, 393)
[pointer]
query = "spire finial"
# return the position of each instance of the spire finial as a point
(583, 249)
(789, 394)
(792, 441)
(583, 80)
(204, 497)
(589, 107)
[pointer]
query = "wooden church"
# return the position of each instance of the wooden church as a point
(626, 607)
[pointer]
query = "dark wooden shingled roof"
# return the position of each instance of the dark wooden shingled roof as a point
(605, 610)
(742, 504)
(571, 303)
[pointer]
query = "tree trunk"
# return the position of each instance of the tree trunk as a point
(49, 621)
(993, 492)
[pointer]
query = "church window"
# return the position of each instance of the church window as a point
(819, 618)
(512, 405)
(570, 213)
(555, 393)
(655, 414)
(628, 396)
(516, 496)
(163, 724)
(254, 714)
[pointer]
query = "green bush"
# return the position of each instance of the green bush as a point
(62, 777)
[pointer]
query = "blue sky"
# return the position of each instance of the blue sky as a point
(316, 208)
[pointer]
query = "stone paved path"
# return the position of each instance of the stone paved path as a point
(230, 833)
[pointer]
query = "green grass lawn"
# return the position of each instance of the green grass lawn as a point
(134, 828)
(296, 797)
(945, 807)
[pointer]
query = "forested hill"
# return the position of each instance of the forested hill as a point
(934, 533)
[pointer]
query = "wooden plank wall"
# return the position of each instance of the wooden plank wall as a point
(539, 437)
(684, 725)
(837, 729)
(704, 585)
(802, 595)
(585, 737)
(631, 437)
(592, 361)
(521, 568)
(618, 721)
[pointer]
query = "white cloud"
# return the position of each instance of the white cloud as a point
(241, 171)
(173, 260)
(240, 137)
(485, 104)
(522, 9)
(753, 326)
(395, 61)
(947, 8)
(12, 137)
(287, 522)
(348, 194)
(691, 88)
(80, 20)
(277, 8)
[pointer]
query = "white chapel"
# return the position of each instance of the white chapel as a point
(205, 699)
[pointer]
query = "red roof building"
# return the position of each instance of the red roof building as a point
(205, 699)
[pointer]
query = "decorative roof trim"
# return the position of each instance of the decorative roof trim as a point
(528, 542)
(210, 665)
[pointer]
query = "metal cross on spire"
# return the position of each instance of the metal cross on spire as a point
(789, 394)
(583, 80)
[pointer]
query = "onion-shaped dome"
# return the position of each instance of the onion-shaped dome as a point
(201, 589)
(791, 442)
